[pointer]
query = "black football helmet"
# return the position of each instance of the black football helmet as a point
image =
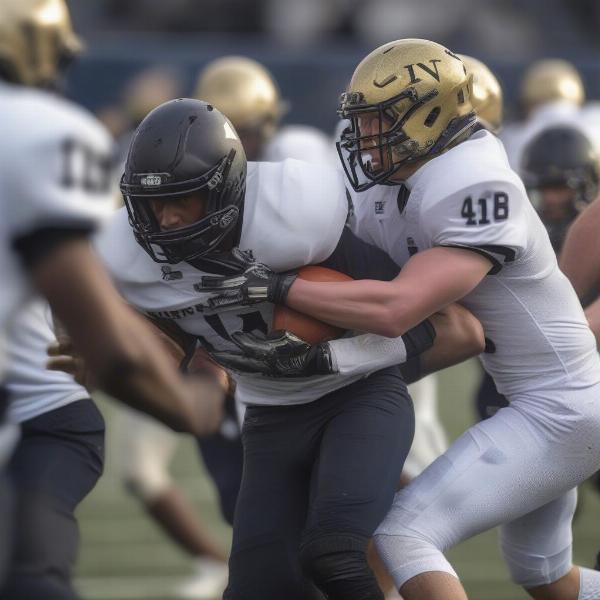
(562, 155)
(181, 147)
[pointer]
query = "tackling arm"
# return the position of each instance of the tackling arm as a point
(430, 281)
(459, 336)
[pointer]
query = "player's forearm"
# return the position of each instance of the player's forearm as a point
(379, 307)
(580, 255)
(370, 352)
(459, 337)
(116, 344)
(592, 312)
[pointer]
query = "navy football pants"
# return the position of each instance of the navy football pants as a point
(55, 465)
(318, 479)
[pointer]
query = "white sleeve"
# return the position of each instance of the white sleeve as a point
(59, 177)
(366, 353)
(489, 218)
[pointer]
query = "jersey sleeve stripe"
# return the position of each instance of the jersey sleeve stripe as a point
(490, 252)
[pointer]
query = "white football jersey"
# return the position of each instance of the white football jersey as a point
(469, 197)
(55, 168)
(294, 214)
(33, 389)
(302, 143)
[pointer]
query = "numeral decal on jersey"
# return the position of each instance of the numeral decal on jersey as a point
(479, 214)
(252, 321)
(84, 168)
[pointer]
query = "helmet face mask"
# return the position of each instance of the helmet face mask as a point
(380, 151)
(212, 164)
(408, 101)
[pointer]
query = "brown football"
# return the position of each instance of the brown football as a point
(307, 328)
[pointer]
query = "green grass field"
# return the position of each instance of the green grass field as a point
(125, 557)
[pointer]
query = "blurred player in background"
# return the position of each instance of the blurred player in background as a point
(142, 93)
(246, 92)
(551, 93)
(55, 188)
(56, 464)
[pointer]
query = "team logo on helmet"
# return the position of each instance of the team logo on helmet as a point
(151, 180)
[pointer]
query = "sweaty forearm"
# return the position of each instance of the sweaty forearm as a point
(373, 306)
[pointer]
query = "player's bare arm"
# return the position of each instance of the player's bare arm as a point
(580, 256)
(580, 262)
(459, 336)
(430, 281)
(112, 338)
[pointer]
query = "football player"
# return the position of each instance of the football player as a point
(486, 93)
(439, 195)
(146, 446)
(430, 439)
(54, 188)
(561, 171)
(486, 98)
(552, 93)
(247, 94)
(327, 427)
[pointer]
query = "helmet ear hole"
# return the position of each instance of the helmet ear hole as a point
(461, 96)
(432, 116)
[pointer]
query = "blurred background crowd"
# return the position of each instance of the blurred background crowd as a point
(312, 46)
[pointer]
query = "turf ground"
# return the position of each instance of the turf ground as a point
(125, 557)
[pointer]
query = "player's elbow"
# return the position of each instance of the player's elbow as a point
(390, 321)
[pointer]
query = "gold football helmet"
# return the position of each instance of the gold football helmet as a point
(551, 80)
(148, 89)
(36, 41)
(244, 91)
(408, 100)
(486, 93)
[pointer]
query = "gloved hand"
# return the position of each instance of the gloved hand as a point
(257, 283)
(279, 354)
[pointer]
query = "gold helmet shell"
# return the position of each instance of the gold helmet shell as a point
(36, 39)
(148, 89)
(551, 80)
(244, 91)
(415, 96)
(486, 93)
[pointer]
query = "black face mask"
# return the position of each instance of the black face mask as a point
(205, 237)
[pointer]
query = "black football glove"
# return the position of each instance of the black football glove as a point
(257, 283)
(279, 354)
